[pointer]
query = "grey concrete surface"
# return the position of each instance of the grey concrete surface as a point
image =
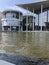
(22, 60)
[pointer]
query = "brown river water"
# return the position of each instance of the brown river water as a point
(25, 43)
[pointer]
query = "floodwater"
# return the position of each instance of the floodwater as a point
(25, 43)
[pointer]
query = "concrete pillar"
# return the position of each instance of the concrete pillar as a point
(27, 21)
(47, 16)
(19, 21)
(22, 23)
(10, 24)
(38, 21)
(10, 28)
(2, 28)
(33, 19)
(41, 15)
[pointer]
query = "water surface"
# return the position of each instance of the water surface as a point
(27, 44)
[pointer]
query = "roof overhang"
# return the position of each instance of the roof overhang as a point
(10, 10)
(36, 6)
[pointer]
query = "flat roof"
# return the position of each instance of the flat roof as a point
(5, 11)
(36, 6)
(13, 11)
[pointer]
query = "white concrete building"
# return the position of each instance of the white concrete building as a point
(13, 19)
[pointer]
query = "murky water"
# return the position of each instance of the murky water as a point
(22, 43)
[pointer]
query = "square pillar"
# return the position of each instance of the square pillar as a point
(38, 21)
(10, 28)
(33, 19)
(19, 21)
(27, 21)
(41, 15)
(47, 16)
(2, 28)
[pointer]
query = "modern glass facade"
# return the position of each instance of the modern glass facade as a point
(40, 8)
(45, 21)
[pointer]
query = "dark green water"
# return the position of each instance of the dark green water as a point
(27, 44)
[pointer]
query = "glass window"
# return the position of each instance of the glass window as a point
(17, 15)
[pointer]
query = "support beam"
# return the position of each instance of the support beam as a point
(33, 19)
(27, 21)
(41, 15)
(38, 21)
(19, 21)
(2, 28)
(47, 16)
(10, 28)
(10, 24)
(22, 24)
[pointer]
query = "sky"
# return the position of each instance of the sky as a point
(7, 3)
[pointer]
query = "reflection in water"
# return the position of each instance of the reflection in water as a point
(25, 43)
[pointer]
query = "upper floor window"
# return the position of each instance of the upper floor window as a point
(13, 15)
(17, 15)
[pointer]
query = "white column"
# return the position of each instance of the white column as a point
(10, 24)
(33, 19)
(38, 21)
(2, 28)
(22, 22)
(10, 27)
(19, 21)
(27, 20)
(47, 16)
(41, 15)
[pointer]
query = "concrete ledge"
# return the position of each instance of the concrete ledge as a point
(34, 31)
(2, 62)
(24, 31)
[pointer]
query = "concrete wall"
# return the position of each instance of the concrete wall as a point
(10, 23)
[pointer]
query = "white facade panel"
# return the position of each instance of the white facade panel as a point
(10, 23)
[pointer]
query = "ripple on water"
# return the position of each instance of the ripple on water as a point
(22, 43)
